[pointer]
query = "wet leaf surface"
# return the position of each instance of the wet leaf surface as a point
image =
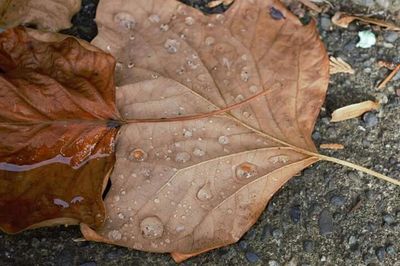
(186, 180)
(56, 145)
(50, 15)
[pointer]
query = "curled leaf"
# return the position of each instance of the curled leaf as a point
(56, 138)
(50, 15)
(338, 65)
(186, 186)
(353, 110)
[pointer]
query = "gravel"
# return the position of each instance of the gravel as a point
(328, 215)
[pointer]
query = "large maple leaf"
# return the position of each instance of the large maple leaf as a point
(219, 112)
(57, 107)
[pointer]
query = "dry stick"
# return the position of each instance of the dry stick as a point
(389, 78)
(311, 5)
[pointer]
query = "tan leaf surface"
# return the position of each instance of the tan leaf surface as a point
(185, 185)
(50, 15)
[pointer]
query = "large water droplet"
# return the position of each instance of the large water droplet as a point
(121, 215)
(205, 192)
(125, 20)
(115, 235)
(151, 227)
(279, 159)
(172, 46)
(77, 199)
(182, 157)
(137, 155)
(61, 203)
(223, 140)
(246, 170)
(164, 27)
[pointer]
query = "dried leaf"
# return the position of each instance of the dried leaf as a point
(183, 185)
(332, 146)
(343, 20)
(353, 110)
(56, 142)
(389, 77)
(338, 65)
(50, 15)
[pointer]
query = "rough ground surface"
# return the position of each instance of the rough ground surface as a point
(327, 216)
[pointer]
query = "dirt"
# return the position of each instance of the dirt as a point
(329, 215)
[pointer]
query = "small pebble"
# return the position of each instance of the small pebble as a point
(308, 246)
(388, 219)
(243, 245)
(370, 119)
(380, 253)
(325, 222)
(325, 23)
(338, 200)
(295, 214)
(273, 263)
(252, 257)
(277, 233)
(390, 249)
(89, 263)
(352, 240)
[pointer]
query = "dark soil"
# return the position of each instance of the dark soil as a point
(329, 215)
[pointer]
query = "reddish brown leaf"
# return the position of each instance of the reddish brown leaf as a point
(184, 185)
(56, 130)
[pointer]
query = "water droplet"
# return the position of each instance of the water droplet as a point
(77, 199)
(205, 192)
(179, 228)
(61, 203)
(154, 18)
(189, 21)
(125, 20)
(239, 98)
(151, 227)
(131, 37)
(246, 170)
(131, 64)
(121, 215)
(279, 159)
(198, 152)
(137, 155)
(223, 140)
(164, 27)
(210, 41)
(167, 240)
(253, 88)
(246, 114)
(245, 75)
(172, 46)
(115, 235)
(116, 198)
(182, 157)
(229, 211)
(187, 133)
(156, 200)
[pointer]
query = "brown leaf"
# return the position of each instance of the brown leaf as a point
(185, 185)
(343, 20)
(353, 110)
(56, 138)
(50, 15)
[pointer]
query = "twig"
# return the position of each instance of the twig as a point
(389, 78)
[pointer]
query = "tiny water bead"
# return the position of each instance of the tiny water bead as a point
(189, 21)
(245, 75)
(279, 159)
(137, 155)
(246, 170)
(205, 192)
(172, 46)
(198, 152)
(182, 157)
(115, 235)
(77, 199)
(210, 41)
(164, 27)
(125, 20)
(154, 18)
(151, 227)
(223, 140)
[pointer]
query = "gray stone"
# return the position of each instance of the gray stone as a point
(252, 257)
(325, 222)
(308, 245)
(325, 23)
(370, 119)
(390, 36)
(295, 214)
(338, 200)
(380, 253)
